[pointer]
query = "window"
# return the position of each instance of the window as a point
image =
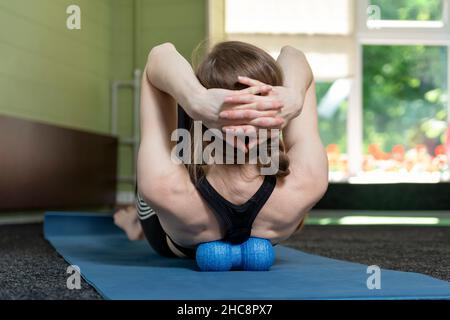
(405, 110)
(382, 71)
(402, 92)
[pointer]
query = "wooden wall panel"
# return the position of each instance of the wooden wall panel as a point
(48, 167)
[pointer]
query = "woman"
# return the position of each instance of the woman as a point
(237, 88)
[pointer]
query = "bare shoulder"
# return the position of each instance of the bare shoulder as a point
(292, 199)
(176, 196)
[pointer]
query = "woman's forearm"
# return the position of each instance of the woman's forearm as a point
(168, 71)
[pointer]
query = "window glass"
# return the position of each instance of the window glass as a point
(405, 110)
(288, 16)
(332, 100)
(419, 10)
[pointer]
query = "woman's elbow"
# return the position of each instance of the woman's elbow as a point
(156, 59)
(291, 49)
(153, 191)
(160, 50)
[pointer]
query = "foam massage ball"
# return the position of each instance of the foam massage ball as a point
(214, 256)
(257, 255)
(236, 256)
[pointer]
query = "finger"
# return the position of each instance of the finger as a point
(269, 104)
(267, 122)
(241, 98)
(246, 114)
(250, 82)
(262, 105)
(260, 89)
(246, 106)
(262, 102)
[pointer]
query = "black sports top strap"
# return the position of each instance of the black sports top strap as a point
(237, 219)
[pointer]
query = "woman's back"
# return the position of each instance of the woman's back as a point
(189, 219)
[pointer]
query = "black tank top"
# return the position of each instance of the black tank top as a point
(236, 219)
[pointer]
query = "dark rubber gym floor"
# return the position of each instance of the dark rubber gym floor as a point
(31, 269)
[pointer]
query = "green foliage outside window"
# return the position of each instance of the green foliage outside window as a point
(404, 96)
(333, 130)
(422, 10)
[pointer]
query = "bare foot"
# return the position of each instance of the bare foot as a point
(128, 220)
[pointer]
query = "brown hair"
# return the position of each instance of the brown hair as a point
(221, 68)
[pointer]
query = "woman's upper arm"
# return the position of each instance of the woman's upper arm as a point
(304, 147)
(158, 115)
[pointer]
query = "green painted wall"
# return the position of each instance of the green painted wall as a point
(59, 76)
(182, 22)
(49, 73)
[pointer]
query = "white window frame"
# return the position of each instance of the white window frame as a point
(385, 36)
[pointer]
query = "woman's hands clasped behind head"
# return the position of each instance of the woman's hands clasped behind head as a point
(281, 104)
(243, 112)
(209, 103)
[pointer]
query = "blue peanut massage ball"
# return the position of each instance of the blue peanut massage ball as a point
(214, 256)
(255, 254)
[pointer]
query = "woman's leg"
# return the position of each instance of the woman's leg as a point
(141, 222)
(152, 228)
(127, 220)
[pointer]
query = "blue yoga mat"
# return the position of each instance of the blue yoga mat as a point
(121, 269)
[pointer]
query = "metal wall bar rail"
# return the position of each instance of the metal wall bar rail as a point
(133, 140)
